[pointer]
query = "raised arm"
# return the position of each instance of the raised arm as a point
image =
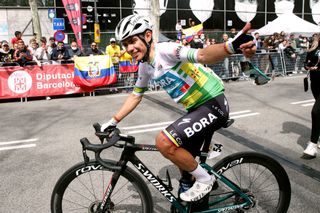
(242, 43)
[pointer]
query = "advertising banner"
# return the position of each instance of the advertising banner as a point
(32, 81)
(73, 9)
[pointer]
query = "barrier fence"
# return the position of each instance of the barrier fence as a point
(57, 78)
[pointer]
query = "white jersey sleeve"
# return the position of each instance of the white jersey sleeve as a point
(143, 79)
(173, 52)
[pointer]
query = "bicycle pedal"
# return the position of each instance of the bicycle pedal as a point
(200, 205)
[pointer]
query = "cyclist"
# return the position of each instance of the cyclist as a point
(177, 70)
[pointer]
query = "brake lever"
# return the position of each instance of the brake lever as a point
(107, 134)
(98, 133)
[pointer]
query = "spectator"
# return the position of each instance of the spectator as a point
(60, 53)
(33, 46)
(292, 40)
(192, 23)
(225, 73)
(290, 58)
(233, 32)
(213, 41)
(6, 53)
(15, 46)
(260, 60)
(258, 42)
(33, 49)
(302, 44)
(52, 45)
(196, 42)
(42, 52)
(113, 50)
(207, 43)
(179, 29)
(94, 50)
(185, 42)
(288, 49)
(22, 55)
(17, 37)
(74, 50)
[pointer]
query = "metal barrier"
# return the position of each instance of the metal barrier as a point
(278, 63)
(231, 68)
(271, 63)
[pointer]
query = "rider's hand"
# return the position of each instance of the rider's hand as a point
(111, 124)
(243, 43)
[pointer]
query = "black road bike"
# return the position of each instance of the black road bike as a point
(246, 182)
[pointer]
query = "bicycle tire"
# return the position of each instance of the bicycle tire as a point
(84, 182)
(251, 166)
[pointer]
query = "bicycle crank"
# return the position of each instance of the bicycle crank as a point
(239, 200)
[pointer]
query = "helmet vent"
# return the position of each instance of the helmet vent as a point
(137, 26)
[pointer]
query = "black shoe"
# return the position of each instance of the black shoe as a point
(200, 205)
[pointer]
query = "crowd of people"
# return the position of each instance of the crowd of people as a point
(292, 47)
(43, 52)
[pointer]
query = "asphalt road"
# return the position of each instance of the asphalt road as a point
(39, 139)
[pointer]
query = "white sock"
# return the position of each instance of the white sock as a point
(201, 174)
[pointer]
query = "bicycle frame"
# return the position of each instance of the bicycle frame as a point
(128, 155)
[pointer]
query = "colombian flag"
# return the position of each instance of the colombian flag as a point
(93, 71)
(190, 32)
(126, 65)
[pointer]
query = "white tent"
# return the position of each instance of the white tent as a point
(289, 23)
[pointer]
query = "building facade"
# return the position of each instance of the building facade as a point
(216, 15)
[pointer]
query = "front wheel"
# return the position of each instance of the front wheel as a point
(82, 188)
(259, 176)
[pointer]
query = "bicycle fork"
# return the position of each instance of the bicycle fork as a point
(106, 200)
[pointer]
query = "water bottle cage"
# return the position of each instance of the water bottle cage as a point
(167, 181)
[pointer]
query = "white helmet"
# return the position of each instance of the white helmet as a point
(132, 25)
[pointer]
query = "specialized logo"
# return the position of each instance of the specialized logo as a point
(155, 182)
(199, 125)
(177, 52)
(20, 82)
(184, 121)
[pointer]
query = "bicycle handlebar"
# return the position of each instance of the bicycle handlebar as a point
(112, 136)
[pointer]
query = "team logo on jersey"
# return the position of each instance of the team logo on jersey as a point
(174, 85)
(184, 121)
(199, 125)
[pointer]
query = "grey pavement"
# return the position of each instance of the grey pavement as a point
(39, 139)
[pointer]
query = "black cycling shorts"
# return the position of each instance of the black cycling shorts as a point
(190, 130)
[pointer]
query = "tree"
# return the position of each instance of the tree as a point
(155, 15)
(35, 18)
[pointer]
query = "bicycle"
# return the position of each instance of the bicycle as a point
(246, 181)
